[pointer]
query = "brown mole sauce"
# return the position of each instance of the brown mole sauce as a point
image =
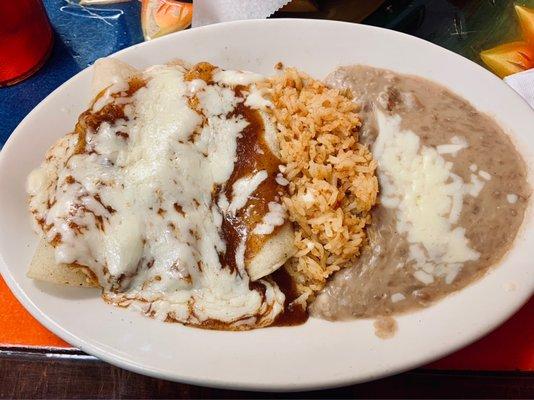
(109, 113)
(253, 155)
(293, 314)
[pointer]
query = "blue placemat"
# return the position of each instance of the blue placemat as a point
(81, 36)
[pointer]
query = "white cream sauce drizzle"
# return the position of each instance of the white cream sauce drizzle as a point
(159, 242)
(457, 144)
(243, 188)
(106, 97)
(512, 198)
(234, 78)
(275, 217)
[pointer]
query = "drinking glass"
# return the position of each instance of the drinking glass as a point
(26, 39)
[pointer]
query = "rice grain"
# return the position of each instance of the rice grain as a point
(332, 182)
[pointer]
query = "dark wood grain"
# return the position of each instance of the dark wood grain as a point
(31, 376)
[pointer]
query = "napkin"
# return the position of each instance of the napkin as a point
(523, 84)
(207, 12)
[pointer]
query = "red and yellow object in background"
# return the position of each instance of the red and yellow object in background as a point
(526, 21)
(510, 58)
(160, 17)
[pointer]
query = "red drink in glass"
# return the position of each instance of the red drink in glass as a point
(25, 39)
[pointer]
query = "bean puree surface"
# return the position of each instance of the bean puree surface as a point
(381, 282)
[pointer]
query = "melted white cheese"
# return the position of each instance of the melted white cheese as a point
(457, 144)
(234, 78)
(106, 97)
(512, 198)
(217, 100)
(256, 99)
(396, 297)
(476, 186)
(275, 217)
(484, 175)
(281, 180)
(428, 197)
(243, 188)
(137, 207)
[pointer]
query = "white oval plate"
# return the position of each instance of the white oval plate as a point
(317, 354)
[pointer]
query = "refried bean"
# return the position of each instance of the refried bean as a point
(381, 281)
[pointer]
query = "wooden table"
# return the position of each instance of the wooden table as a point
(30, 375)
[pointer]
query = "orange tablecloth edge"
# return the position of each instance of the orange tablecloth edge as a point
(508, 348)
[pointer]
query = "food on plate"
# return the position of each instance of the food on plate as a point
(166, 196)
(331, 176)
(228, 200)
(170, 195)
(453, 196)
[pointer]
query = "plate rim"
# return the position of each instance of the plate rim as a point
(121, 362)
